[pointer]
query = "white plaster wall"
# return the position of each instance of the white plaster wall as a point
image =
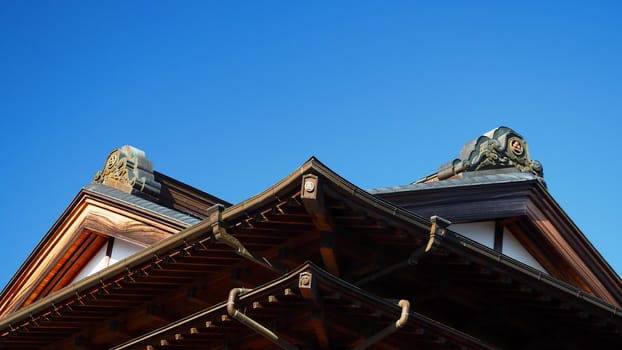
(482, 232)
(120, 250)
(513, 249)
(97, 263)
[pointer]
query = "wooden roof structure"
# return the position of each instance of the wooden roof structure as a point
(315, 262)
(310, 308)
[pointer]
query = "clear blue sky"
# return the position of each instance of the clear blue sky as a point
(232, 96)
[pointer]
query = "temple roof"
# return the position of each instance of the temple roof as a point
(136, 201)
(371, 249)
(258, 240)
(477, 178)
(296, 297)
(128, 170)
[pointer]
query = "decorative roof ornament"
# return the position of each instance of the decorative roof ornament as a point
(127, 169)
(500, 148)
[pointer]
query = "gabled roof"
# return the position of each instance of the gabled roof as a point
(128, 201)
(142, 204)
(310, 308)
(270, 231)
(509, 286)
(313, 214)
(127, 169)
(493, 181)
(475, 179)
(97, 212)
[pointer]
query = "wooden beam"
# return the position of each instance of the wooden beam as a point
(82, 342)
(313, 201)
(308, 289)
(319, 327)
(327, 251)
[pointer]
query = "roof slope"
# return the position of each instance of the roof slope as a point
(494, 179)
(314, 214)
(287, 304)
(143, 204)
(97, 212)
(475, 179)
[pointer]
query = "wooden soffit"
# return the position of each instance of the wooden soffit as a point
(74, 239)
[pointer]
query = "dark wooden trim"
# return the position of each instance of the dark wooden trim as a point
(553, 227)
(498, 242)
(109, 247)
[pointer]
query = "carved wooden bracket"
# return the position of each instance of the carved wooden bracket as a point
(308, 289)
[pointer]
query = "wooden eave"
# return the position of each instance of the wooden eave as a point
(556, 240)
(75, 237)
(325, 313)
(340, 227)
(274, 231)
(500, 300)
(563, 233)
(335, 185)
(340, 213)
(469, 203)
(138, 211)
(102, 296)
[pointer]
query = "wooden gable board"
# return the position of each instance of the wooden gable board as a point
(74, 239)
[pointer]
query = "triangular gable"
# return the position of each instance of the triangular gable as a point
(290, 221)
(93, 220)
(278, 223)
(533, 227)
(112, 252)
(524, 209)
(495, 236)
(495, 193)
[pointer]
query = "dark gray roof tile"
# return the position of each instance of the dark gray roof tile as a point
(476, 179)
(142, 203)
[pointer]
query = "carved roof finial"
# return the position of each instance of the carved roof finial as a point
(127, 169)
(500, 148)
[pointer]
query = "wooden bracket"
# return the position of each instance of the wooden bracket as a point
(308, 289)
(313, 200)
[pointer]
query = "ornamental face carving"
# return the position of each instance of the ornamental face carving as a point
(127, 169)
